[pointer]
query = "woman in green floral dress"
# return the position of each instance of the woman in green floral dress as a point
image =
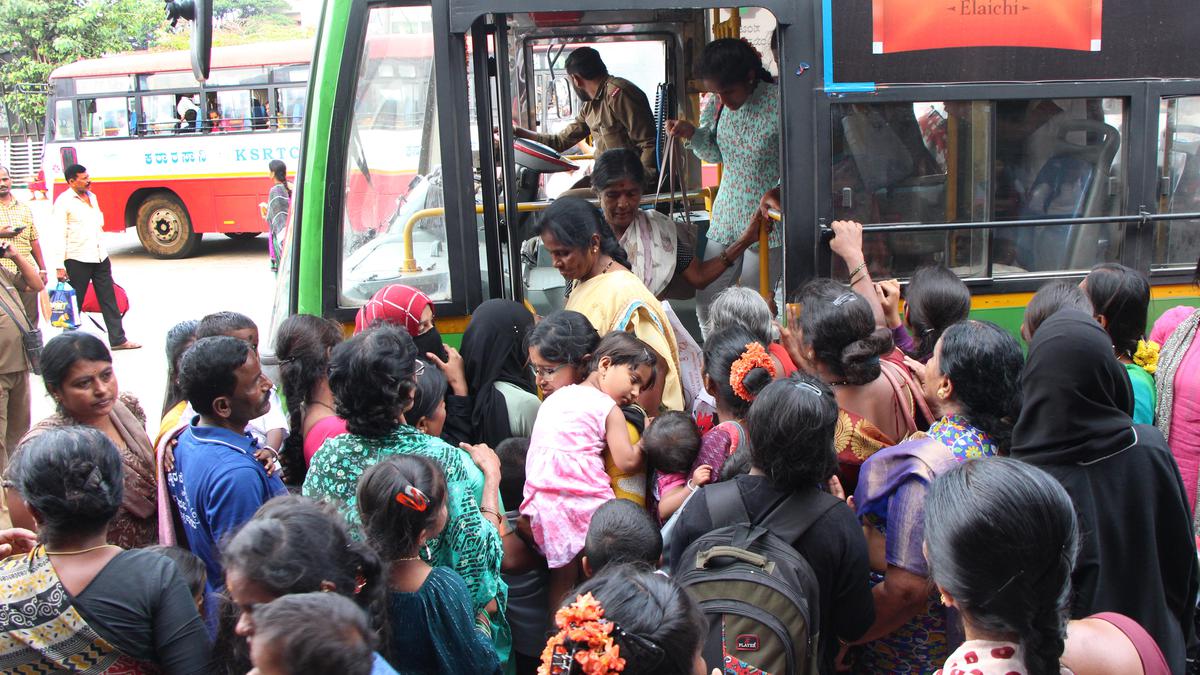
(739, 129)
(373, 378)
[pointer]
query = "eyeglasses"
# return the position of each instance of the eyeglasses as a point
(547, 372)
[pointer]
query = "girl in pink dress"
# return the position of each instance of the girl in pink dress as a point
(565, 481)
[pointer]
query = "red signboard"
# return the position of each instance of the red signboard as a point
(911, 25)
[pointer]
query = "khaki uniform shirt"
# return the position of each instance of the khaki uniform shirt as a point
(12, 350)
(618, 117)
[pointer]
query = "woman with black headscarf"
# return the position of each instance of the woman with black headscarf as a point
(1137, 556)
(504, 401)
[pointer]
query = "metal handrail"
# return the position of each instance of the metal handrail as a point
(409, 263)
(1142, 218)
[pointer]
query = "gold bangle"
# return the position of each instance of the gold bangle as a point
(856, 270)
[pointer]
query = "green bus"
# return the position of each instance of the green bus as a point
(1008, 142)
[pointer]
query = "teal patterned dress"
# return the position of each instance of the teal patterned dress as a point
(746, 142)
(469, 545)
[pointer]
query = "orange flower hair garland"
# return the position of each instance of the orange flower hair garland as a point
(584, 637)
(754, 357)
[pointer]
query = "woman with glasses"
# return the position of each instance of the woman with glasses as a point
(373, 376)
(560, 347)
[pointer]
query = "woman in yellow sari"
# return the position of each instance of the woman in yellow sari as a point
(602, 288)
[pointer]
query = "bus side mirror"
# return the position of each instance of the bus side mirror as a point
(202, 31)
(180, 9)
(199, 12)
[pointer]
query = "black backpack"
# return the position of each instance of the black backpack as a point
(760, 596)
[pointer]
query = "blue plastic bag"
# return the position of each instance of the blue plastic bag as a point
(63, 308)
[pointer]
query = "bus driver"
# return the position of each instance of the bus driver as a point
(615, 112)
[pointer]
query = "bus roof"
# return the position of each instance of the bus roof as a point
(236, 56)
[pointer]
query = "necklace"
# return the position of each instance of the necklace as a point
(408, 558)
(323, 405)
(82, 551)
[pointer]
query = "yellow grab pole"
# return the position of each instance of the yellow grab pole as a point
(764, 254)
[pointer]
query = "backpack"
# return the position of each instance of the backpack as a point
(759, 595)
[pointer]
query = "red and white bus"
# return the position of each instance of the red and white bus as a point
(174, 158)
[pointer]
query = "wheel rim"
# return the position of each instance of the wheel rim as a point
(166, 228)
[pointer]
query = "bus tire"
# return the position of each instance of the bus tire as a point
(242, 236)
(165, 228)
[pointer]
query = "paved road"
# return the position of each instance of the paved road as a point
(225, 274)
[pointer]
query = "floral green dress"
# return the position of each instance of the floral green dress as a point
(746, 143)
(469, 544)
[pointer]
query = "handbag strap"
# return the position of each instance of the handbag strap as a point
(3, 303)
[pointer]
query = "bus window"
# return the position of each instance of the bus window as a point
(64, 121)
(226, 77)
(159, 115)
(949, 162)
(392, 163)
(1177, 243)
(289, 104)
(170, 80)
(234, 110)
(104, 117)
(259, 114)
(1058, 159)
(914, 162)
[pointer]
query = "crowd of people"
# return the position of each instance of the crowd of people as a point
(874, 483)
(548, 498)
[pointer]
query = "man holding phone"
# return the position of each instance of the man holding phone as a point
(17, 227)
(85, 260)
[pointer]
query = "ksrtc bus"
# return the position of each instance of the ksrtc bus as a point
(173, 158)
(1012, 147)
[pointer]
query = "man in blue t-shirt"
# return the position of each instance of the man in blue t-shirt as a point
(216, 484)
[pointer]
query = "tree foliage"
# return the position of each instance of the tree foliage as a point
(37, 36)
(244, 9)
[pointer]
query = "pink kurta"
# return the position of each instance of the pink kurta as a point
(1184, 437)
(565, 481)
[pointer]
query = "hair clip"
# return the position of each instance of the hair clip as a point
(844, 298)
(413, 498)
(808, 386)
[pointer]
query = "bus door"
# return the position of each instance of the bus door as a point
(655, 50)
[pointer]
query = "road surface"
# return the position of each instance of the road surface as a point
(224, 275)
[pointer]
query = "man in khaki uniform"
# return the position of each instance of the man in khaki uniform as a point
(615, 113)
(14, 367)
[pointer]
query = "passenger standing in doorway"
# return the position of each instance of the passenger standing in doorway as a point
(615, 113)
(279, 201)
(15, 217)
(85, 260)
(739, 128)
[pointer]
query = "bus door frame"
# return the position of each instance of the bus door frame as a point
(800, 69)
(1156, 91)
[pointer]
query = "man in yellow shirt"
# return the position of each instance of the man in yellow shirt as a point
(16, 225)
(615, 113)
